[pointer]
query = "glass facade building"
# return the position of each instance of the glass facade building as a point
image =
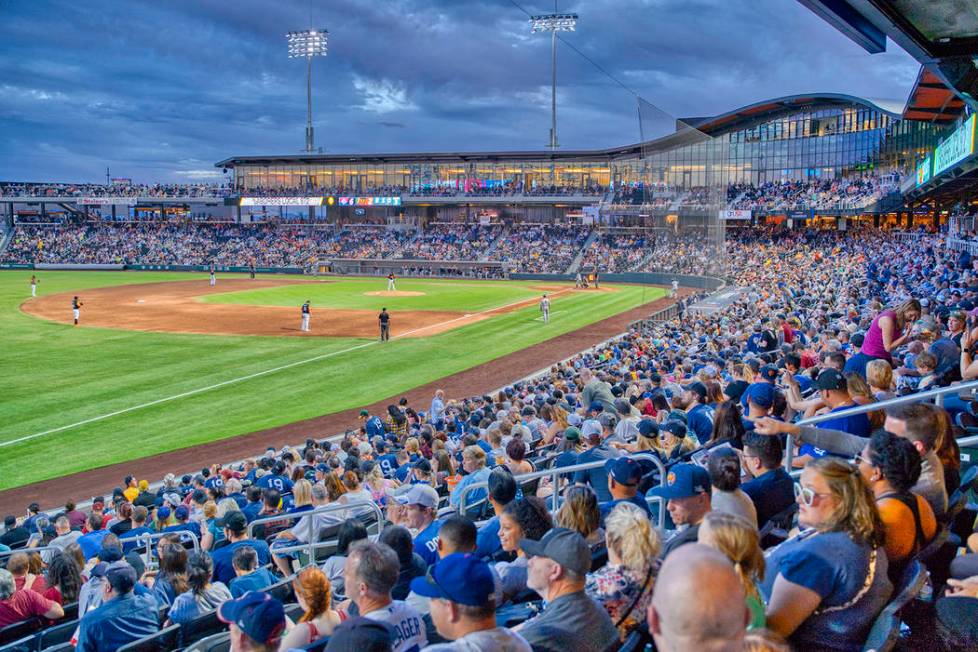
(788, 139)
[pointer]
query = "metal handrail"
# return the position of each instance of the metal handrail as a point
(936, 393)
(313, 544)
(7, 553)
(554, 474)
(147, 538)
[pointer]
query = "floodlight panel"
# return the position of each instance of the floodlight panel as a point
(308, 43)
(553, 23)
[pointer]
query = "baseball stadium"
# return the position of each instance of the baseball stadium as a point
(713, 388)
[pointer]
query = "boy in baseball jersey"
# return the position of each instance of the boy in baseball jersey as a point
(305, 316)
(545, 309)
(76, 305)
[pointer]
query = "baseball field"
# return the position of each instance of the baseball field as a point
(163, 361)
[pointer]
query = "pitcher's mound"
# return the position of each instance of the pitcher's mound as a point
(394, 293)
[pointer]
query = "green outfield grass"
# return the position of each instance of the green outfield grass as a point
(55, 375)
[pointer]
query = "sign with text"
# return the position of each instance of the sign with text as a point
(924, 171)
(107, 201)
(956, 147)
(735, 214)
(368, 201)
(281, 201)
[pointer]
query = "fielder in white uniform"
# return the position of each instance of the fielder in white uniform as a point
(33, 285)
(390, 282)
(545, 309)
(213, 276)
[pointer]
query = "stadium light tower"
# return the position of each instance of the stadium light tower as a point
(553, 23)
(308, 44)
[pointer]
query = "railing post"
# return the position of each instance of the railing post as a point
(789, 452)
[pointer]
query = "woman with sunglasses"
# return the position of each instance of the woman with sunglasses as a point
(825, 586)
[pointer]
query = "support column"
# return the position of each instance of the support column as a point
(910, 219)
(113, 212)
(876, 220)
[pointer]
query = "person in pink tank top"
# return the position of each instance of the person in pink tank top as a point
(889, 330)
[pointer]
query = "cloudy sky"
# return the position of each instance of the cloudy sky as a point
(162, 90)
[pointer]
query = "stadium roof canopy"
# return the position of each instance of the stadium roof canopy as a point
(931, 100)
(943, 36)
(688, 131)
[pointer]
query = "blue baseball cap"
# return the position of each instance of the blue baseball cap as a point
(683, 481)
(624, 470)
(769, 372)
(595, 407)
(761, 394)
(648, 428)
(458, 577)
(257, 614)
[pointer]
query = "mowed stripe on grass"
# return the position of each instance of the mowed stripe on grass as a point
(59, 375)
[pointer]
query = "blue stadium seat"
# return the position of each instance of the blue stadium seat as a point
(886, 630)
(26, 644)
(162, 641)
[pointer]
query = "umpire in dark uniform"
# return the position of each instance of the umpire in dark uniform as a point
(385, 325)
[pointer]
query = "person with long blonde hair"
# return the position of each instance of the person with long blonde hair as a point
(826, 586)
(623, 586)
(314, 594)
(580, 512)
(739, 541)
(879, 376)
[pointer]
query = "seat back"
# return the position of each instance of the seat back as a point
(886, 628)
(958, 500)
(634, 642)
(60, 633)
(318, 645)
(200, 627)
(26, 644)
(162, 641)
(216, 643)
(19, 630)
(940, 538)
(282, 591)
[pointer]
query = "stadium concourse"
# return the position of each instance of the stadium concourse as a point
(446, 516)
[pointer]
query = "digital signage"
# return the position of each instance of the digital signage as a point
(368, 201)
(924, 171)
(281, 201)
(956, 147)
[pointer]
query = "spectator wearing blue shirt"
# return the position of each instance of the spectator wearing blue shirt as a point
(235, 527)
(474, 464)
(254, 503)
(373, 425)
(597, 477)
(833, 388)
(418, 515)
(276, 480)
(699, 415)
(91, 543)
(123, 616)
(502, 491)
(759, 404)
(403, 471)
(437, 412)
(130, 540)
(624, 475)
(250, 577)
(387, 461)
(567, 449)
(184, 524)
(771, 488)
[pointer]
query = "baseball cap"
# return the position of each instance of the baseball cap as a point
(364, 413)
(566, 547)
(121, 576)
(257, 614)
(419, 494)
(181, 513)
(459, 577)
(234, 521)
(363, 635)
(574, 419)
(608, 420)
(683, 481)
(173, 499)
(762, 395)
(572, 434)
(678, 428)
(769, 372)
(423, 465)
(624, 470)
(595, 407)
(591, 427)
(648, 428)
(830, 379)
(698, 388)
(163, 513)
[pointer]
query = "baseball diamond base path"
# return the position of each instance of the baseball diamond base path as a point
(478, 380)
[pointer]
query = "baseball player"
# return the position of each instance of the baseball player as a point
(675, 288)
(34, 282)
(305, 317)
(545, 309)
(251, 270)
(213, 275)
(385, 325)
(76, 305)
(578, 281)
(390, 282)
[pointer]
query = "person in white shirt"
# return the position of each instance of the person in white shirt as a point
(370, 573)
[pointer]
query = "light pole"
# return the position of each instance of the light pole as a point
(553, 23)
(309, 43)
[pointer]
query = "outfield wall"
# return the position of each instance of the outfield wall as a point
(640, 278)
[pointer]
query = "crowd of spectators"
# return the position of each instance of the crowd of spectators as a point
(543, 248)
(840, 193)
(509, 189)
(825, 321)
(9, 189)
(452, 242)
(618, 251)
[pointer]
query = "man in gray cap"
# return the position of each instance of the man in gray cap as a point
(571, 622)
(123, 616)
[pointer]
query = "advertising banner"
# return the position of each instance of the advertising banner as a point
(924, 171)
(368, 201)
(281, 201)
(107, 201)
(957, 147)
(735, 214)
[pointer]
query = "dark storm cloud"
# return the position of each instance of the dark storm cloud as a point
(161, 91)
